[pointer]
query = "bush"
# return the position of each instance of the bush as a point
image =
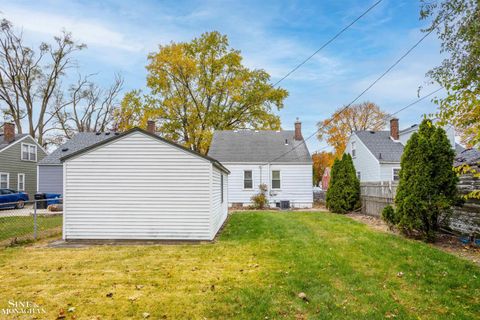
(260, 200)
(388, 215)
(427, 187)
(343, 194)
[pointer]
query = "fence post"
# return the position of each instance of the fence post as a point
(35, 220)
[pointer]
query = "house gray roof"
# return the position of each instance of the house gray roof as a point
(80, 141)
(381, 145)
(18, 136)
(258, 146)
(116, 135)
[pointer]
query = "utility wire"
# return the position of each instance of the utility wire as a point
(398, 111)
(327, 43)
(358, 96)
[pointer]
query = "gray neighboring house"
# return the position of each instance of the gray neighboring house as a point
(50, 168)
(19, 154)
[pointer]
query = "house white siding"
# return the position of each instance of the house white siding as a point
(138, 187)
(219, 207)
(296, 183)
(364, 161)
(50, 178)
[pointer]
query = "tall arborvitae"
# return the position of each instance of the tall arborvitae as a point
(427, 187)
(343, 194)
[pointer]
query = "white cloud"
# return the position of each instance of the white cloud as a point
(88, 31)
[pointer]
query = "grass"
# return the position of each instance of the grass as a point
(20, 226)
(255, 270)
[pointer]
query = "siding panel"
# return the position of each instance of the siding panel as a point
(296, 183)
(137, 188)
(50, 179)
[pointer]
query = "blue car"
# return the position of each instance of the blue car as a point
(12, 199)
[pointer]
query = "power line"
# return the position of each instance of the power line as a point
(327, 43)
(361, 94)
(398, 111)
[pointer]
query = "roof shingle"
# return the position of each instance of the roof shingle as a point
(258, 146)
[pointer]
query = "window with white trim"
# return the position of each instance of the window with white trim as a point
(29, 152)
(4, 180)
(359, 175)
(276, 179)
(354, 151)
(247, 179)
(396, 174)
(21, 182)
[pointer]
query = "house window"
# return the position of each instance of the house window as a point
(276, 179)
(247, 179)
(21, 182)
(396, 174)
(4, 180)
(354, 151)
(29, 152)
(221, 186)
(359, 175)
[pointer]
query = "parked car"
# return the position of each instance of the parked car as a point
(12, 199)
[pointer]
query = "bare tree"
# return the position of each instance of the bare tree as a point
(30, 79)
(86, 108)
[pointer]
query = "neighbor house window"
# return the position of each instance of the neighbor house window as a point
(396, 174)
(221, 186)
(275, 179)
(247, 179)
(359, 175)
(21, 182)
(354, 151)
(4, 178)
(29, 152)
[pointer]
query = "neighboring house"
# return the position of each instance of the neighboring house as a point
(279, 159)
(376, 154)
(19, 154)
(50, 168)
(326, 178)
(137, 185)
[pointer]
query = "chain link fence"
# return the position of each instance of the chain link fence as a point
(25, 221)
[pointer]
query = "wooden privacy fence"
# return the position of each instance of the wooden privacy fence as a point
(376, 196)
(466, 219)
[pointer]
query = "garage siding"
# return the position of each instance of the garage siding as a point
(137, 187)
(219, 208)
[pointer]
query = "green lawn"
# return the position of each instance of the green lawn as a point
(18, 226)
(255, 270)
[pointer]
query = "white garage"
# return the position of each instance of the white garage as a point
(137, 185)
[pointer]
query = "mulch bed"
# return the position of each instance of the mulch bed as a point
(445, 242)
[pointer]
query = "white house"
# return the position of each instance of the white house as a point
(137, 185)
(376, 154)
(279, 159)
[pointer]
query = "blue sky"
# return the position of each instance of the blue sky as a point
(272, 35)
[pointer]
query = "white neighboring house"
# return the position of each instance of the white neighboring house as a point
(137, 185)
(279, 159)
(376, 154)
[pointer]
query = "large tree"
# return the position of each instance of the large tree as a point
(200, 86)
(337, 129)
(84, 107)
(457, 24)
(30, 78)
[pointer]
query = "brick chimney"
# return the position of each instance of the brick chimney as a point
(394, 132)
(8, 132)
(151, 126)
(298, 130)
